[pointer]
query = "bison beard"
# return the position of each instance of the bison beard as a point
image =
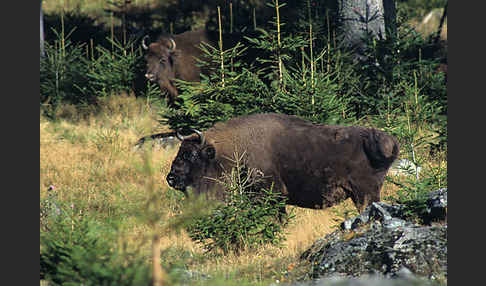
(312, 165)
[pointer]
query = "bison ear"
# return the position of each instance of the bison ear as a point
(209, 152)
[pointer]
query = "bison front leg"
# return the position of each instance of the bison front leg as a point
(171, 91)
(280, 186)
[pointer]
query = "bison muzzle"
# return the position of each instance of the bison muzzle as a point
(174, 57)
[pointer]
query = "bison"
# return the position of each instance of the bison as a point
(312, 165)
(174, 57)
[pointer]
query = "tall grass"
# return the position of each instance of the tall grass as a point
(107, 182)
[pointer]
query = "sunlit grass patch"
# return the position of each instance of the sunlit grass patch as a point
(94, 168)
(92, 165)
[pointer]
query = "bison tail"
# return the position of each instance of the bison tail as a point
(380, 148)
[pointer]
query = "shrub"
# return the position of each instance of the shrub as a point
(115, 71)
(70, 75)
(62, 75)
(233, 88)
(78, 250)
(252, 214)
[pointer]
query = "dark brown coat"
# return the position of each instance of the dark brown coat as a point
(314, 166)
(166, 62)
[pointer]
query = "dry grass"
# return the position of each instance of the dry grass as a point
(92, 164)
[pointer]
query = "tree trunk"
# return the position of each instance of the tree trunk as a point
(360, 18)
(439, 31)
(41, 31)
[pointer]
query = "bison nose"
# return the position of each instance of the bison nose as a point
(171, 179)
(150, 76)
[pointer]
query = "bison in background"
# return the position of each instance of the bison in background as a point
(174, 57)
(314, 166)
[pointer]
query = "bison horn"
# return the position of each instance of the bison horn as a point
(201, 136)
(181, 137)
(144, 46)
(172, 44)
(199, 133)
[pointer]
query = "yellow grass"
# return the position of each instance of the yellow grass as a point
(91, 162)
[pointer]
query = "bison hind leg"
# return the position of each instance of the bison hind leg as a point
(361, 200)
(364, 196)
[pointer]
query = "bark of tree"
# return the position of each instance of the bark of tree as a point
(41, 31)
(360, 18)
(439, 31)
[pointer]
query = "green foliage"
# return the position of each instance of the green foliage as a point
(413, 194)
(417, 130)
(413, 190)
(317, 101)
(79, 250)
(114, 72)
(70, 74)
(84, 28)
(233, 87)
(62, 74)
(252, 214)
(212, 100)
(395, 61)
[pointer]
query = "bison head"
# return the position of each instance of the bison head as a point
(160, 64)
(191, 163)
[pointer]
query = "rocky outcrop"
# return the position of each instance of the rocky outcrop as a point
(381, 245)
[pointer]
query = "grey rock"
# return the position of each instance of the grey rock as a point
(393, 215)
(380, 211)
(382, 242)
(437, 205)
(405, 278)
(430, 24)
(394, 223)
(386, 250)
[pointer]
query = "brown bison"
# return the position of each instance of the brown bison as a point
(312, 165)
(174, 57)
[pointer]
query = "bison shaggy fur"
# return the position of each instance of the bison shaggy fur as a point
(312, 165)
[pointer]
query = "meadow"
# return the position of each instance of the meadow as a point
(94, 170)
(95, 174)
(107, 214)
